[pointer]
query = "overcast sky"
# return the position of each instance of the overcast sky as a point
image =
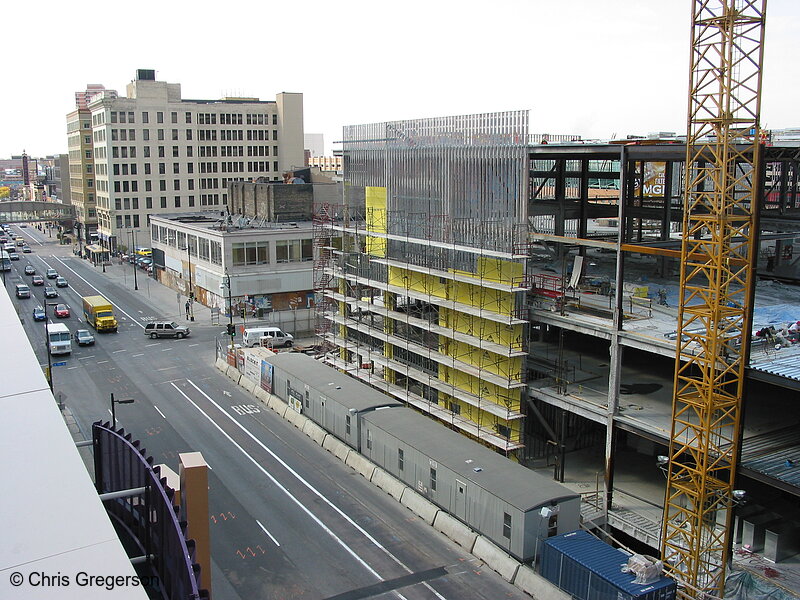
(596, 68)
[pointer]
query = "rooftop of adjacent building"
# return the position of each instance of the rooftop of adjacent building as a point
(57, 522)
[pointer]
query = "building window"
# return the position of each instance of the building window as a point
(160, 117)
(433, 479)
(250, 253)
(216, 253)
(146, 135)
(145, 117)
(163, 202)
(369, 440)
(400, 459)
(507, 526)
(188, 117)
(177, 201)
(174, 117)
(148, 202)
(203, 251)
(294, 250)
(347, 424)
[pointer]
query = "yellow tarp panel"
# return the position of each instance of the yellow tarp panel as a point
(376, 220)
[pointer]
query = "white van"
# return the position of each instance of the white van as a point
(59, 340)
(276, 337)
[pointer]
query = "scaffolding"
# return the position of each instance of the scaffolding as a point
(430, 296)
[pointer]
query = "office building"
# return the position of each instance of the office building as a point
(154, 152)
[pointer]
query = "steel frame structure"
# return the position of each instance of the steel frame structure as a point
(717, 266)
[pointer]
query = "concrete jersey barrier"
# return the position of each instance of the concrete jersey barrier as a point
(360, 464)
(455, 530)
(537, 586)
(496, 558)
(419, 505)
(388, 483)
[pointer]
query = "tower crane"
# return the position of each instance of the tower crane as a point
(716, 280)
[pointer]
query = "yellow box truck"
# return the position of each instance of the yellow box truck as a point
(99, 313)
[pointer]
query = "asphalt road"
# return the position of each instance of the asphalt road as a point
(287, 519)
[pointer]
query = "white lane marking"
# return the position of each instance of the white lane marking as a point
(316, 492)
(135, 355)
(68, 368)
(159, 412)
(123, 350)
(95, 289)
(167, 368)
(272, 537)
(191, 345)
(156, 344)
(277, 484)
(166, 349)
(86, 357)
(100, 362)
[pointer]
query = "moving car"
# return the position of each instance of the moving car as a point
(39, 314)
(61, 282)
(159, 329)
(37, 280)
(84, 338)
(23, 291)
(52, 273)
(26, 249)
(62, 311)
(50, 292)
(29, 270)
(13, 256)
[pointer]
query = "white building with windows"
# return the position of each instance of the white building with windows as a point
(155, 152)
(270, 266)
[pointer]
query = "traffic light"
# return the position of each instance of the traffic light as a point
(231, 330)
(242, 313)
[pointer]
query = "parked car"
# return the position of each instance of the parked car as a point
(26, 249)
(52, 273)
(62, 311)
(84, 338)
(23, 291)
(37, 280)
(29, 270)
(39, 314)
(144, 263)
(50, 292)
(61, 282)
(22, 225)
(13, 256)
(158, 329)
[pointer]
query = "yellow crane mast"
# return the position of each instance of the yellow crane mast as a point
(717, 265)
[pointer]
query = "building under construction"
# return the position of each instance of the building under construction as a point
(524, 291)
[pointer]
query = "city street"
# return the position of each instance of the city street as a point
(287, 519)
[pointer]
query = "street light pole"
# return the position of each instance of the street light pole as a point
(47, 349)
(113, 411)
(230, 307)
(191, 289)
(135, 281)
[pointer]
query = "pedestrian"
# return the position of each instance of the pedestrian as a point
(187, 309)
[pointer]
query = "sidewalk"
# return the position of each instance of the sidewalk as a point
(170, 304)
